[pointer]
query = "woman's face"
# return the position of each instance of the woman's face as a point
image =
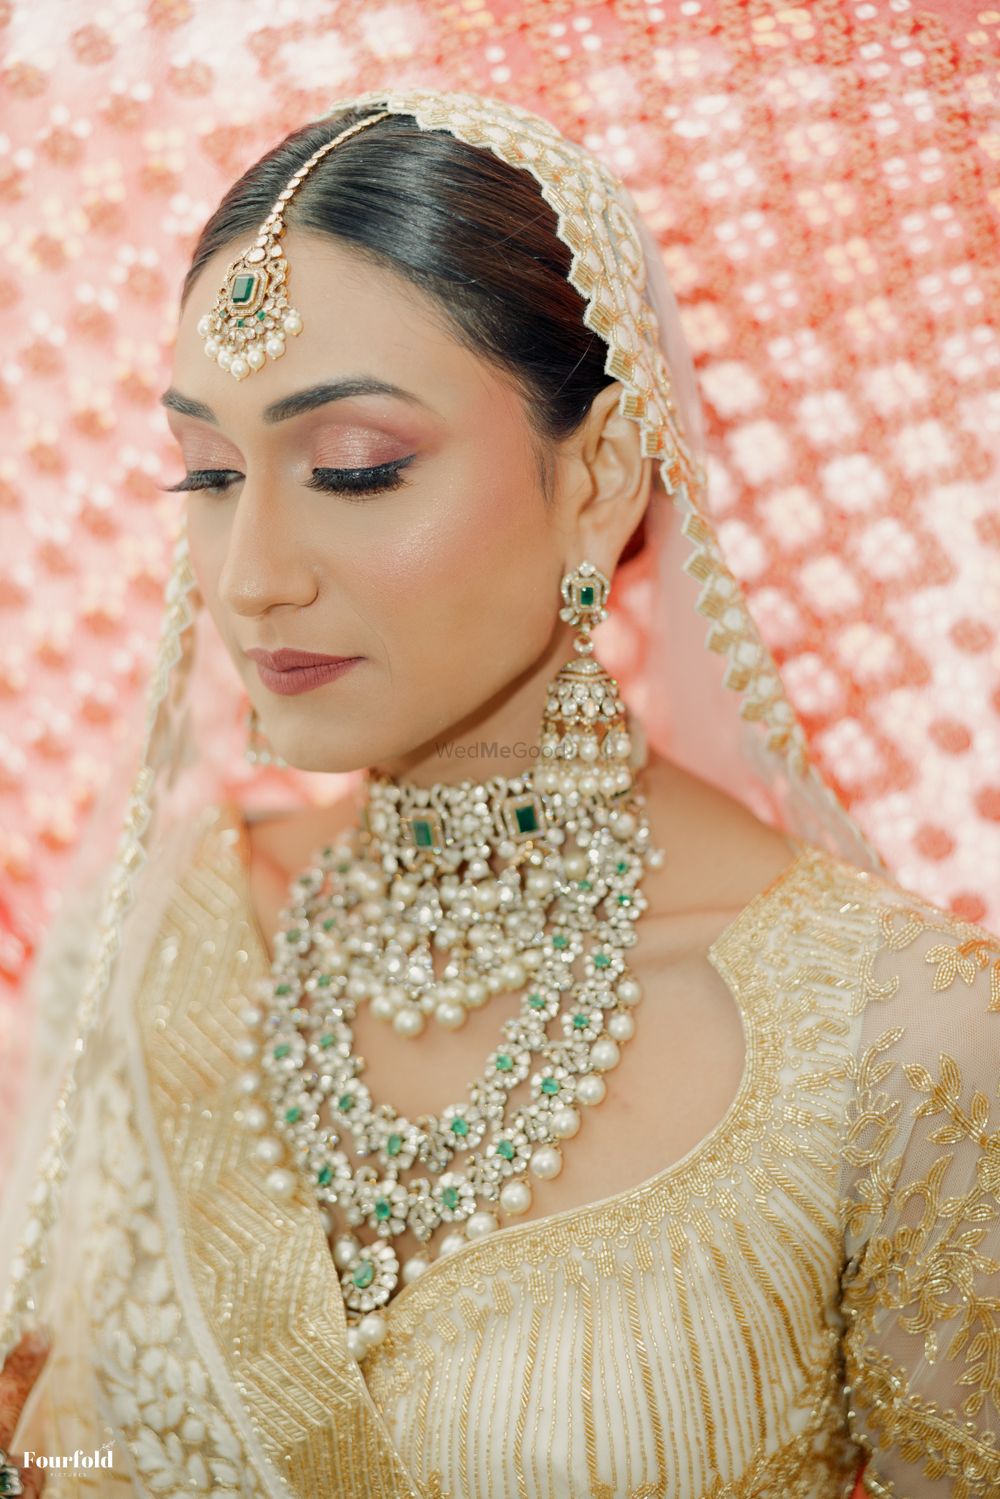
(433, 558)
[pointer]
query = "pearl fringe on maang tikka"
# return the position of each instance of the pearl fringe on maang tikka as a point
(252, 312)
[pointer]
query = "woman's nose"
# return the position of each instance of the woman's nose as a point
(267, 561)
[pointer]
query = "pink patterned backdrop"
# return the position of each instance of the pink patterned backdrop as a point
(825, 183)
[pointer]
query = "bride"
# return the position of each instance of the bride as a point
(533, 1118)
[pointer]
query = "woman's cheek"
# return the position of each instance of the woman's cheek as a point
(416, 560)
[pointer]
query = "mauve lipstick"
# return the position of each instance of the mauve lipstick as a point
(287, 672)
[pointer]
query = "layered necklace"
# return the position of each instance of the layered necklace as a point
(528, 884)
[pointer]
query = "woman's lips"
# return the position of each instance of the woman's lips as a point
(287, 672)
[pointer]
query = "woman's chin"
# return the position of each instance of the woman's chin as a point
(328, 760)
(304, 749)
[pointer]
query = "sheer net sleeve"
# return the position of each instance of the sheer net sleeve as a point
(921, 1217)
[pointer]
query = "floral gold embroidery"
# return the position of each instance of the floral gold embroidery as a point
(612, 1297)
(964, 961)
(922, 1434)
(933, 1215)
(871, 1127)
(945, 1096)
(901, 925)
(155, 1387)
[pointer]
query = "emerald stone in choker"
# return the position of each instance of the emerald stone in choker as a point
(425, 831)
(523, 816)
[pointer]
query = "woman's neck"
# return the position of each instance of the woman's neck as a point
(500, 739)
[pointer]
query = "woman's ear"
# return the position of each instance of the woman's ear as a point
(608, 482)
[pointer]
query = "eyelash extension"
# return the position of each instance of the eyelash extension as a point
(382, 476)
(346, 481)
(189, 484)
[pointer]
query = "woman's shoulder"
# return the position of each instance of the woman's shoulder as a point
(893, 919)
(721, 856)
(287, 838)
(901, 912)
(913, 963)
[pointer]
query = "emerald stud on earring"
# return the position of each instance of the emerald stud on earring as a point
(585, 592)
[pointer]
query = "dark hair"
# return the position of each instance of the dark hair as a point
(459, 223)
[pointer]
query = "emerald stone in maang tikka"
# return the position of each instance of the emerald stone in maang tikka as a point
(246, 291)
(243, 288)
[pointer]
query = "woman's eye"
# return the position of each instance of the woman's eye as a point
(360, 480)
(382, 476)
(204, 478)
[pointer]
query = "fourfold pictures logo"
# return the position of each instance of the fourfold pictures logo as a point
(101, 1457)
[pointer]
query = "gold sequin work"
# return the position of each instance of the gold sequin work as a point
(817, 1282)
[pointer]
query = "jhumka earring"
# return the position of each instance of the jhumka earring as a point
(257, 750)
(585, 743)
(252, 312)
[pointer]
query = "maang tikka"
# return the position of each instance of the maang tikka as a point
(252, 312)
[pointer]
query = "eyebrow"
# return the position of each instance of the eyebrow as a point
(301, 401)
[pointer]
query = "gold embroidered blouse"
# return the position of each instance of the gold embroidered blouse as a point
(818, 1280)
